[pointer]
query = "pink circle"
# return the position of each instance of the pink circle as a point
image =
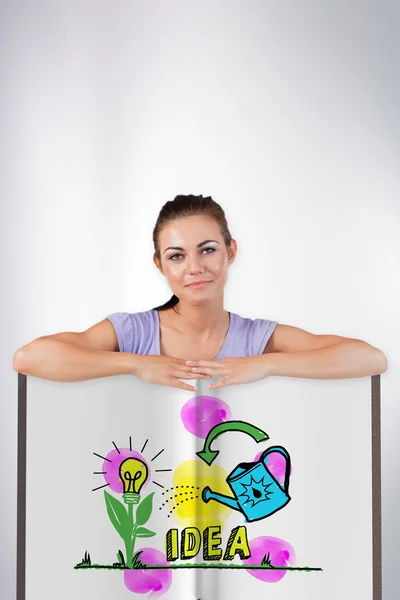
(155, 581)
(202, 413)
(281, 554)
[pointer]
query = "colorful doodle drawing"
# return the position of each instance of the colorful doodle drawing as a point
(257, 491)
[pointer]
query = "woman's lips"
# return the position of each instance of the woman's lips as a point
(197, 286)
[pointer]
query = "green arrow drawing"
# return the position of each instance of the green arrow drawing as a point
(209, 455)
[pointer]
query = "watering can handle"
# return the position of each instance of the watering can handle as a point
(286, 456)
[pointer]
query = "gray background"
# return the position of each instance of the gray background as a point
(286, 113)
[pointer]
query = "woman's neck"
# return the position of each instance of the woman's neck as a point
(207, 318)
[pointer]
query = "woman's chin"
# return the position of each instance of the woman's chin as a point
(200, 296)
(203, 301)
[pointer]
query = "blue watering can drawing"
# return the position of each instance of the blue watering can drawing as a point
(257, 493)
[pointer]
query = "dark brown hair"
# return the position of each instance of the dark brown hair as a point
(188, 206)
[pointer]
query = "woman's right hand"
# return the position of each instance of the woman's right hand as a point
(165, 370)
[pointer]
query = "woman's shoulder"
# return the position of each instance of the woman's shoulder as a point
(135, 331)
(254, 333)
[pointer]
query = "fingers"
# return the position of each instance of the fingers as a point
(182, 367)
(182, 386)
(222, 383)
(220, 363)
(180, 361)
(212, 371)
(188, 370)
(181, 375)
(185, 386)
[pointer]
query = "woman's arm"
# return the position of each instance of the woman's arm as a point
(78, 356)
(294, 352)
(75, 356)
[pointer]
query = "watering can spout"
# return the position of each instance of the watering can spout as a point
(208, 494)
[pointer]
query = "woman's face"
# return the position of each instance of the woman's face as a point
(193, 249)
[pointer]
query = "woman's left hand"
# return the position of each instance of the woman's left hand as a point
(232, 370)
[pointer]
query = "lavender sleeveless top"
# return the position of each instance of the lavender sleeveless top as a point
(139, 333)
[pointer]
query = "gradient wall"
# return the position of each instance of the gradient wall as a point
(286, 113)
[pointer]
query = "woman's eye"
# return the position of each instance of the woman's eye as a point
(209, 248)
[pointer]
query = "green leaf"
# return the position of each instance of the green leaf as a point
(144, 532)
(144, 510)
(121, 559)
(117, 514)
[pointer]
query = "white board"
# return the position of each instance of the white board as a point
(321, 538)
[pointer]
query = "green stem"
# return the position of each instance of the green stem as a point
(129, 541)
(133, 538)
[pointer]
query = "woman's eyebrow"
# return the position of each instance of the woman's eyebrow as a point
(198, 245)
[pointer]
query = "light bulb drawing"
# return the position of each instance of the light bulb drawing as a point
(126, 471)
(133, 473)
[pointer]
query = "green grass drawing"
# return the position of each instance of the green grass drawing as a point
(137, 564)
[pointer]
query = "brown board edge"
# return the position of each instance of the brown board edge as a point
(21, 486)
(376, 487)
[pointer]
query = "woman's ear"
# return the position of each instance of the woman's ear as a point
(157, 263)
(232, 251)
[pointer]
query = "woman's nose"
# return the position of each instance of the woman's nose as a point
(194, 264)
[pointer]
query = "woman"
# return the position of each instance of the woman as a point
(192, 336)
